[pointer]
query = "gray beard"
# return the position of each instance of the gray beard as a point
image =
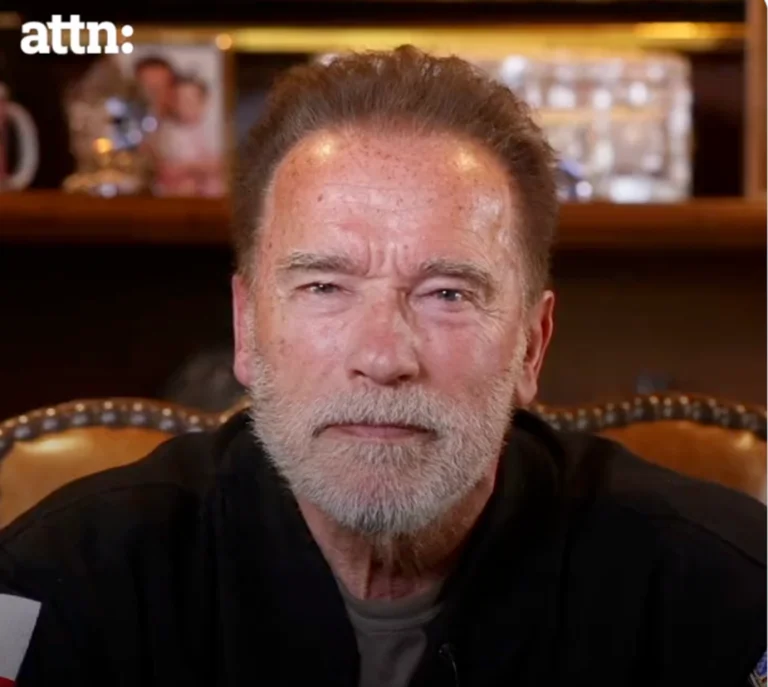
(383, 490)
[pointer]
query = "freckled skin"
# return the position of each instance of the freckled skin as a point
(389, 203)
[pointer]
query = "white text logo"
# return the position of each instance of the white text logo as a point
(65, 36)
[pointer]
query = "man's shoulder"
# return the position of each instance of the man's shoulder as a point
(673, 505)
(604, 477)
(683, 558)
(141, 500)
(692, 554)
(92, 559)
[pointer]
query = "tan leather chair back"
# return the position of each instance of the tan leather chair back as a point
(47, 448)
(698, 436)
(695, 435)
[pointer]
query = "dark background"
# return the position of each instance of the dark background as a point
(384, 12)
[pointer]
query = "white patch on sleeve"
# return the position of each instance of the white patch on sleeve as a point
(759, 675)
(18, 617)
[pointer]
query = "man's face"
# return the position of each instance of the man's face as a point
(157, 84)
(190, 103)
(386, 339)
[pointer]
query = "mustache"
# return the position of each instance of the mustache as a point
(413, 408)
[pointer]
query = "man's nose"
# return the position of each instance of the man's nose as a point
(384, 349)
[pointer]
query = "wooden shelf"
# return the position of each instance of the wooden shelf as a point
(706, 224)
(54, 217)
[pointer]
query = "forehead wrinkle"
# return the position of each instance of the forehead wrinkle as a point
(396, 200)
(389, 199)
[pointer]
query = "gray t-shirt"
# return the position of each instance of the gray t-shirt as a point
(390, 635)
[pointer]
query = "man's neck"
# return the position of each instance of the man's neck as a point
(397, 567)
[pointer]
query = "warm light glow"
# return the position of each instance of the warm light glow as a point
(62, 446)
(102, 145)
(477, 42)
(745, 442)
(223, 41)
(10, 20)
(492, 42)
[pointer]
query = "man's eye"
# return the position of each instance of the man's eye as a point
(451, 295)
(321, 288)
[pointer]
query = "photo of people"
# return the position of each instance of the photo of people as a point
(184, 90)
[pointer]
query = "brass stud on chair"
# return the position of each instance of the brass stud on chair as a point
(51, 421)
(658, 407)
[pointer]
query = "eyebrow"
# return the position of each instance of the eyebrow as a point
(481, 278)
(301, 261)
(470, 272)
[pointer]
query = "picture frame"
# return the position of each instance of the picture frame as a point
(187, 79)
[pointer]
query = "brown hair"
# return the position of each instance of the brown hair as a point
(153, 61)
(395, 89)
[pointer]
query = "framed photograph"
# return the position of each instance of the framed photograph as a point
(186, 89)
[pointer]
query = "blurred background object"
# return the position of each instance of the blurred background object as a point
(19, 142)
(205, 381)
(623, 120)
(108, 129)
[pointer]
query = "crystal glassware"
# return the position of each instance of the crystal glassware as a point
(110, 134)
(619, 121)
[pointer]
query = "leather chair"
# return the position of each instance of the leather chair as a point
(45, 449)
(695, 435)
(692, 434)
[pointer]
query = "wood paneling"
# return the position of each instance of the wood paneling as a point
(81, 321)
(698, 321)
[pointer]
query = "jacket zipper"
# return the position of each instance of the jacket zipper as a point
(447, 654)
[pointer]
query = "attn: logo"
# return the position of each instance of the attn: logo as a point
(63, 37)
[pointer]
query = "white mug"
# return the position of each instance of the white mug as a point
(13, 114)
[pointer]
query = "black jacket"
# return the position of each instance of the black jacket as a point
(194, 567)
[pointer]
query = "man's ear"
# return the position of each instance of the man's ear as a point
(242, 317)
(539, 327)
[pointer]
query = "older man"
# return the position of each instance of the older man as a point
(377, 519)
